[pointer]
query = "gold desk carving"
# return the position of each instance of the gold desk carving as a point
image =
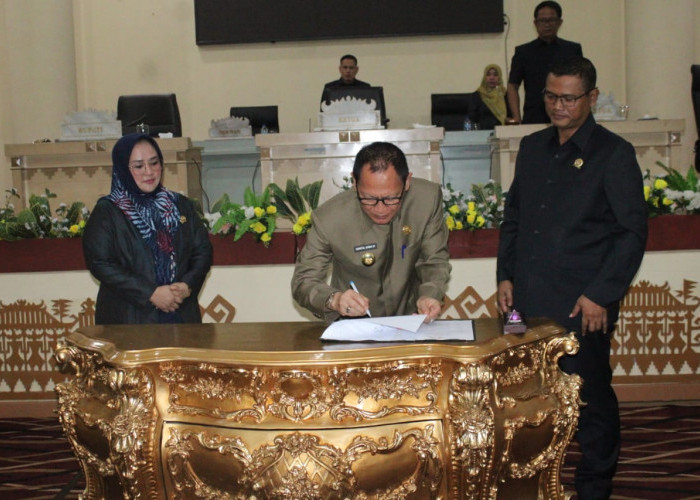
(266, 410)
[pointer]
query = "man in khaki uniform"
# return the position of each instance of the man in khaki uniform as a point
(387, 236)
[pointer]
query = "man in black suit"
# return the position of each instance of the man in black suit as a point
(572, 239)
(348, 70)
(532, 61)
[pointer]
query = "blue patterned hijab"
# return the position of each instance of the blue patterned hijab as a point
(155, 215)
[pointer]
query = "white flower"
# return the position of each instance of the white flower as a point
(249, 212)
(212, 218)
(694, 202)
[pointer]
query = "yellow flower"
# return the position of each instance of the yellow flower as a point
(471, 216)
(667, 202)
(459, 225)
(647, 192)
(454, 209)
(660, 184)
(265, 237)
(449, 220)
(471, 206)
(480, 221)
(297, 228)
(259, 212)
(271, 209)
(81, 224)
(304, 219)
(74, 229)
(258, 227)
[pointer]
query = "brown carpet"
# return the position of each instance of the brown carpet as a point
(660, 457)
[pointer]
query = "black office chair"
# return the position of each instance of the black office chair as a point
(449, 110)
(158, 111)
(695, 96)
(258, 116)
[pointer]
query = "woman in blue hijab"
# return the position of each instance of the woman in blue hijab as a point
(146, 245)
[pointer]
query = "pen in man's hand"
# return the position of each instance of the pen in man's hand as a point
(352, 284)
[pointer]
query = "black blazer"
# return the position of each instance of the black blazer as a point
(120, 260)
(575, 223)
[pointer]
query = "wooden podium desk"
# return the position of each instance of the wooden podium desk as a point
(82, 170)
(266, 410)
(329, 156)
(653, 140)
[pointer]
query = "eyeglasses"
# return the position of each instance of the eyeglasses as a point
(547, 20)
(139, 167)
(567, 100)
(387, 200)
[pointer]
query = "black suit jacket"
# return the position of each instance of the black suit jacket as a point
(575, 223)
(530, 64)
(120, 260)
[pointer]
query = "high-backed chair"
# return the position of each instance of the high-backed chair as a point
(367, 94)
(695, 96)
(449, 110)
(258, 116)
(159, 111)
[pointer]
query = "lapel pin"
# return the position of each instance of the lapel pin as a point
(578, 163)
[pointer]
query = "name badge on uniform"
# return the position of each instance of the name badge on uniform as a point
(367, 258)
(365, 247)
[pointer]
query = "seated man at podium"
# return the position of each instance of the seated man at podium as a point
(385, 239)
(348, 70)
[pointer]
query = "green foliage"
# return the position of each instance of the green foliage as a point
(257, 216)
(672, 193)
(295, 200)
(296, 203)
(482, 209)
(677, 182)
(37, 221)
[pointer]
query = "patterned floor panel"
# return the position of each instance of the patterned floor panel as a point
(660, 457)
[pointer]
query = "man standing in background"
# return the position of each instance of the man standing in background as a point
(532, 61)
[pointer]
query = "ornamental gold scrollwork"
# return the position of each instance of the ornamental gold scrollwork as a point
(358, 390)
(472, 425)
(234, 394)
(516, 366)
(123, 417)
(298, 395)
(555, 408)
(300, 465)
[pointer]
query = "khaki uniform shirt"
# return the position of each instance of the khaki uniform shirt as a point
(408, 257)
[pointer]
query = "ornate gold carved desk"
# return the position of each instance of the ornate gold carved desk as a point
(266, 410)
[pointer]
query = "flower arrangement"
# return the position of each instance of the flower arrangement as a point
(37, 221)
(483, 208)
(672, 193)
(257, 216)
(296, 203)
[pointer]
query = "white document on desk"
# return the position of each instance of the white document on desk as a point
(399, 329)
